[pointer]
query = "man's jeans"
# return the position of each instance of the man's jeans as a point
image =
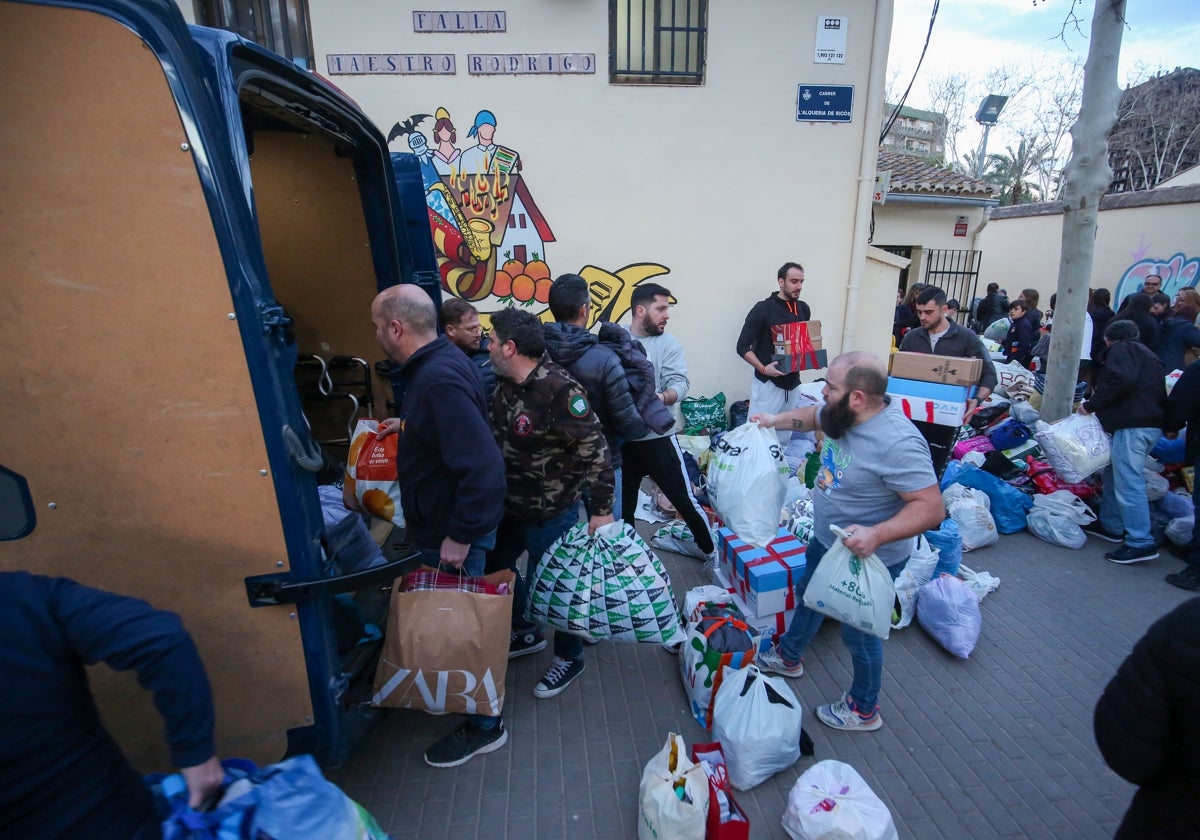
(1123, 505)
(472, 566)
(518, 535)
(866, 650)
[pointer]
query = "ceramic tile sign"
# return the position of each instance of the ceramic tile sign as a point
(831, 40)
(460, 21)
(390, 64)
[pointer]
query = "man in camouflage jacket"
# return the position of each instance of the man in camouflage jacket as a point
(553, 448)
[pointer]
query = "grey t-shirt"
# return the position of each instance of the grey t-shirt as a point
(863, 472)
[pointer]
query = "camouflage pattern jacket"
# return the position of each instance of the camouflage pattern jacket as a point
(553, 445)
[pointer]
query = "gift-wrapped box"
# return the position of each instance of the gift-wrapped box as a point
(797, 346)
(765, 578)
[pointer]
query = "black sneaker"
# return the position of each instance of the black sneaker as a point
(466, 741)
(1098, 530)
(527, 641)
(1125, 555)
(1188, 579)
(561, 674)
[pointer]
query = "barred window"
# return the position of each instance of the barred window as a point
(657, 41)
(281, 26)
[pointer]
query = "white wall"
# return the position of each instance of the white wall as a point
(719, 183)
(929, 226)
(1130, 243)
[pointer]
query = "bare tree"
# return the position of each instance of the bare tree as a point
(1087, 177)
(1052, 118)
(1157, 130)
(947, 94)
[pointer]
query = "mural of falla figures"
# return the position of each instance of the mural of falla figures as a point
(489, 234)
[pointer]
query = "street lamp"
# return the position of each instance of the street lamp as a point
(986, 116)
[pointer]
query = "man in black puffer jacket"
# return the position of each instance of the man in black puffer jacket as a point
(1129, 398)
(1148, 731)
(597, 368)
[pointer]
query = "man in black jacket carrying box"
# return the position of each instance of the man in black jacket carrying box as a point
(938, 334)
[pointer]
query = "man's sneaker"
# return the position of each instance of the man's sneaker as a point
(1188, 579)
(527, 641)
(844, 715)
(561, 674)
(1127, 554)
(465, 742)
(1098, 530)
(772, 662)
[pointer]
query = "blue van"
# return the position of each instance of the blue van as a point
(185, 215)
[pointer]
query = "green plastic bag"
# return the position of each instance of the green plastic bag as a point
(704, 415)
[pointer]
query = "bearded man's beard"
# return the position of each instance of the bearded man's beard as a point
(837, 418)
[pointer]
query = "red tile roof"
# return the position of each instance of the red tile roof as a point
(913, 176)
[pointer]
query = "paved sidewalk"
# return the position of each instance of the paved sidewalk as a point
(997, 746)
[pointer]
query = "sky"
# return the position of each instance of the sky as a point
(971, 36)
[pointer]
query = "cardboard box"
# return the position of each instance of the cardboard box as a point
(928, 390)
(936, 412)
(926, 367)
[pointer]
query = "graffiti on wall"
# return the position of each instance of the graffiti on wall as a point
(490, 236)
(1178, 272)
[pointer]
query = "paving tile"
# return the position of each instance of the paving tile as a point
(996, 746)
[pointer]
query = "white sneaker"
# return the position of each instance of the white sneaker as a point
(772, 662)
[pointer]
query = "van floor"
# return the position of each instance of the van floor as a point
(996, 746)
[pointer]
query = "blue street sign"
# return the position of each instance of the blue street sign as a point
(824, 103)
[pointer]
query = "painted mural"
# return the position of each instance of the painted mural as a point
(1178, 272)
(489, 234)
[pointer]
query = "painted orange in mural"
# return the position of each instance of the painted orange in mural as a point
(489, 234)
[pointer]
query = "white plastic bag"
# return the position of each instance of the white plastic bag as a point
(663, 815)
(917, 572)
(949, 612)
(756, 718)
(1057, 517)
(974, 520)
(980, 583)
(975, 458)
(1076, 446)
(747, 480)
(1179, 530)
(959, 492)
(855, 590)
(832, 802)
(1156, 485)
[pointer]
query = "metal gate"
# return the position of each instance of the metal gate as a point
(957, 274)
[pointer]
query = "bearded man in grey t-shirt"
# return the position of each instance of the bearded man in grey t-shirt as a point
(876, 482)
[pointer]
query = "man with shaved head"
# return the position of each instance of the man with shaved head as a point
(450, 469)
(876, 482)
